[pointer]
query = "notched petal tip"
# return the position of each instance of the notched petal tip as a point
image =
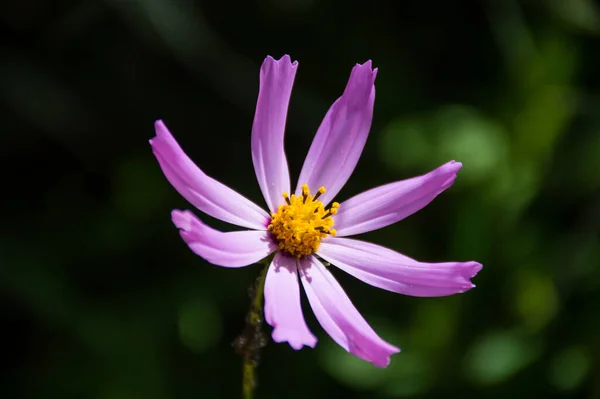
(367, 68)
(453, 166)
(364, 71)
(471, 269)
(162, 134)
(286, 60)
(385, 360)
(280, 335)
(468, 270)
(159, 129)
(186, 222)
(451, 170)
(182, 219)
(361, 84)
(381, 357)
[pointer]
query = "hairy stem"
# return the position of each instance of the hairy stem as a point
(252, 339)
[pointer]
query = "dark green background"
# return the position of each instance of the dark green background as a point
(99, 296)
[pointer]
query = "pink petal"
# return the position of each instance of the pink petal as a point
(205, 193)
(382, 206)
(282, 304)
(387, 269)
(339, 317)
(233, 249)
(270, 163)
(341, 137)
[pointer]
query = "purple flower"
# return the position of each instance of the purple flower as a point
(301, 229)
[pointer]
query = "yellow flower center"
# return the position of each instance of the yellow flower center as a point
(302, 222)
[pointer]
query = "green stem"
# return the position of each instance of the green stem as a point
(252, 339)
(249, 379)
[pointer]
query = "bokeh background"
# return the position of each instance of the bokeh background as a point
(101, 299)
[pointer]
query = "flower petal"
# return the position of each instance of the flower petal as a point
(341, 137)
(339, 317)
(232, 249)
(205, 193)
(387, 269)
(384, 205)
(268, 156)
(282, 304)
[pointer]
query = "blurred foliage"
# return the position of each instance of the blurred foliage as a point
(100, 297)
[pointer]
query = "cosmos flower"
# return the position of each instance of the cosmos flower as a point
(303, 227)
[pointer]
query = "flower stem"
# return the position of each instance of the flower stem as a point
(249, 379)
(252, 339)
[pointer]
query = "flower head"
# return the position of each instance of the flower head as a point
(302, 228)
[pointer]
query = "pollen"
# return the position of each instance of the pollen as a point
(302, 222)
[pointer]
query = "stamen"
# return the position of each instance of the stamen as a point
(305, 193)
(319, 193)
(302, 222)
